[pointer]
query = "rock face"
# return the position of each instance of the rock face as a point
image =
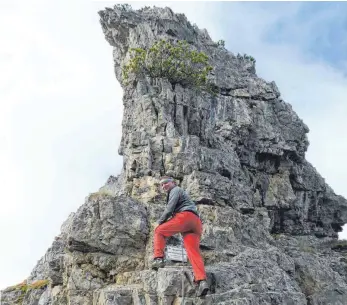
(270, 220)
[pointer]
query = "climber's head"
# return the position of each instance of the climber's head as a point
(167, 183)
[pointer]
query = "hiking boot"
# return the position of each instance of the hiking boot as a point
(202, 288)
(157, 263)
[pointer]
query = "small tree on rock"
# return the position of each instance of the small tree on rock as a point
(174, 61)
(221, 43)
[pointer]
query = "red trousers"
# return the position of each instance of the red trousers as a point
(190, 226)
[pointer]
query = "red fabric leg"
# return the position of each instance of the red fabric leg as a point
(190, 226)
(192, 245)
(177, 224)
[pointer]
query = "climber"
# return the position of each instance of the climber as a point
(180, 216)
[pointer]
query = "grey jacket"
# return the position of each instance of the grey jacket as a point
(177, 201)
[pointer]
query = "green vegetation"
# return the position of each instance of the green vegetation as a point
(246, 57)
(24, 286)
(21, 286)
(221, 43)
(101, 193)
(39, 284)
(173, 61)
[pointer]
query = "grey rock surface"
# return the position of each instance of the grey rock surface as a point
(244, 147)
(270, 220)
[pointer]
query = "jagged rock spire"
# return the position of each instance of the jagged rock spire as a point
(244, 147)
(270, 220)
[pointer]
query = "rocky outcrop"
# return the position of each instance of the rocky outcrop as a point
(270, 220)
(243, 148)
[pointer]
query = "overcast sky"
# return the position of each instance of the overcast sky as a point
(61, 107)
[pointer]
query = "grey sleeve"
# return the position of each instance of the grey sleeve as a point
(173, 199)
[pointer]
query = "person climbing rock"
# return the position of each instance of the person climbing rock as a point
(180, 216)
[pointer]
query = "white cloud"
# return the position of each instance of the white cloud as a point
(61, 109)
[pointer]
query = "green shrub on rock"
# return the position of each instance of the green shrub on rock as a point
(221, 43)
(24, 286)
(174, 61)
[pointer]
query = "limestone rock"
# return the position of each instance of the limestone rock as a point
(244, 147)
(270, 221)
